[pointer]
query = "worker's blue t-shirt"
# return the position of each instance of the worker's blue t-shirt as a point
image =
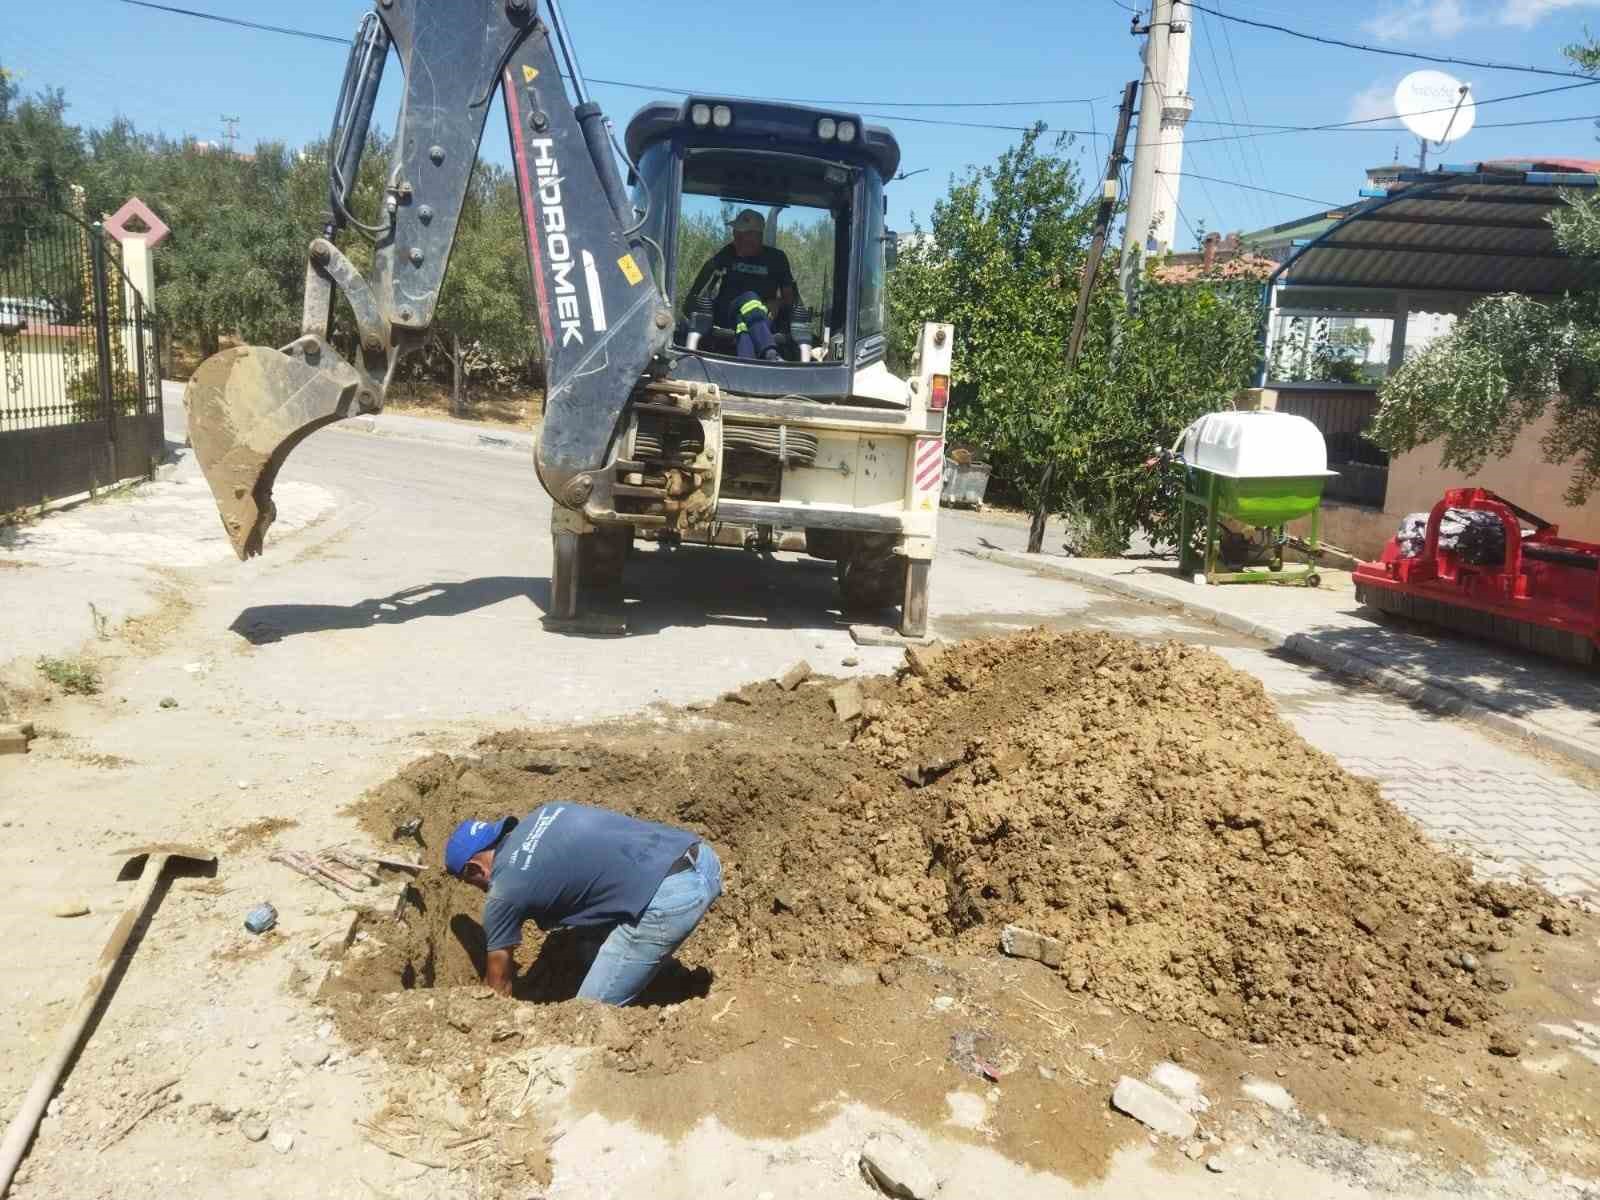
(570, 864)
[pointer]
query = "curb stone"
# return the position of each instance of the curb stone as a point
(1440, 697)
(446, 433)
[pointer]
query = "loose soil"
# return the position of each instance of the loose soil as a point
(1212, 878)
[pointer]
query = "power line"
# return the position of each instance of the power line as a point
(1244, 100)
(1178, 208)
(1234, 153)
(1392, 53)
(1252, 188)
(1349, 125)
(1399, 128)
(648, 87)
(205, 16)
(1546, 121)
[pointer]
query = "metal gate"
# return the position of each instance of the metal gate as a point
(80, 382)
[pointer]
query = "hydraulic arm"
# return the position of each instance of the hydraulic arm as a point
(602, 317)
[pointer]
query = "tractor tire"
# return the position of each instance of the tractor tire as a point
(601, 556)
(872, 576)
(827, 544)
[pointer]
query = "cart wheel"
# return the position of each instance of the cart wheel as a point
(1313, 580)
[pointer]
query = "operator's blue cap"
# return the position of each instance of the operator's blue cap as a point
(469, 838)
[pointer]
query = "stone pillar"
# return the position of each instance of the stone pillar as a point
(138, 231)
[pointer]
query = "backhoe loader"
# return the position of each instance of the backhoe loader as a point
(658, 422)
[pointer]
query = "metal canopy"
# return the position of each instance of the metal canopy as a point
(1471, 230)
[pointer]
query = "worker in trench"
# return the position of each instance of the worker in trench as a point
(635, 890)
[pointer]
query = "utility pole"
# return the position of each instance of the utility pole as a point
(1164, 110)
(1109, 188)
(230, 132)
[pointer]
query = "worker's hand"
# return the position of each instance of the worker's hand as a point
(499, 970)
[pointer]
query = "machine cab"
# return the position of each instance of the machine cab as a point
(816, 180)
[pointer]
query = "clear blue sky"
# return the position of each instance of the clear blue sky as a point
(178, 75)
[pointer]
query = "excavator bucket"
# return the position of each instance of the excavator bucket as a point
(249, 407)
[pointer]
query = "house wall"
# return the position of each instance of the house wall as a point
(1417, 481)
(34, 373)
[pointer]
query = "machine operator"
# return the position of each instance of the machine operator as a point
(755, 287)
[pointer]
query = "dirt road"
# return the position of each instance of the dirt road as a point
(404, 622)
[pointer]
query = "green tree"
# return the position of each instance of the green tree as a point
(483, 318)
(41, 154)
(1508, 362)
(1001, 261)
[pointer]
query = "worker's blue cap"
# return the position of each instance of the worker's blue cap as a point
(471, 837)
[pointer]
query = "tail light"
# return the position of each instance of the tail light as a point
(939, 393)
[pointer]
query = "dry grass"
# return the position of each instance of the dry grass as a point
(520, 409)
(72, 675)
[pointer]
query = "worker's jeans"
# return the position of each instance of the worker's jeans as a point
(630, 955)
(754, 326)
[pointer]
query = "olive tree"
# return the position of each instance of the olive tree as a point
(1001, 260)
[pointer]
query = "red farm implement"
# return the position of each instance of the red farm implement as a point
(1534, 590)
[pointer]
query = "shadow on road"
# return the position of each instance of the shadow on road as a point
(696, 586)
(688, 587)
(1500, 676)
(264, 624)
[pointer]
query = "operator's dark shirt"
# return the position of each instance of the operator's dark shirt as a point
(570, 864)
(762, 273)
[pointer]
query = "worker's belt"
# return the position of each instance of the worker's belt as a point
(686, 861)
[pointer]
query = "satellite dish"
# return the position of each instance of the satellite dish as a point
(1436, 107)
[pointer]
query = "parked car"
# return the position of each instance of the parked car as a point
(19, 312)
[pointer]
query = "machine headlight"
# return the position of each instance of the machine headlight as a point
(700, 114)
(847, 131)
(826, 128)
(722, 116)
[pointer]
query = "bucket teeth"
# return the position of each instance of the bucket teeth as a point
(247, 408)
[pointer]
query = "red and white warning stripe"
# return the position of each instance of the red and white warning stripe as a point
(928, 466)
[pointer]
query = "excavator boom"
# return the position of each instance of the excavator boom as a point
(602, 316)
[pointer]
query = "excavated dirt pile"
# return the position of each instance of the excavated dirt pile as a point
(1144, 805)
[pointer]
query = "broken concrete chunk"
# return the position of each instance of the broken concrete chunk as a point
(1273, 1095)
(310, 1055)
(846, 700)
(1182, 1085)
(795, 676)
(70, 908)
(283, 1142)
(253, 1130)
(1024, 943)
(14, 739)
(897, 1169)
(924, 659)
(1152, 1109)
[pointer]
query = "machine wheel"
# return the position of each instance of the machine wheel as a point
(871, 575)
(1313, 580)
(601, 556)
(829, 544)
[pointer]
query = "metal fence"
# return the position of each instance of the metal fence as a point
(80, 382)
